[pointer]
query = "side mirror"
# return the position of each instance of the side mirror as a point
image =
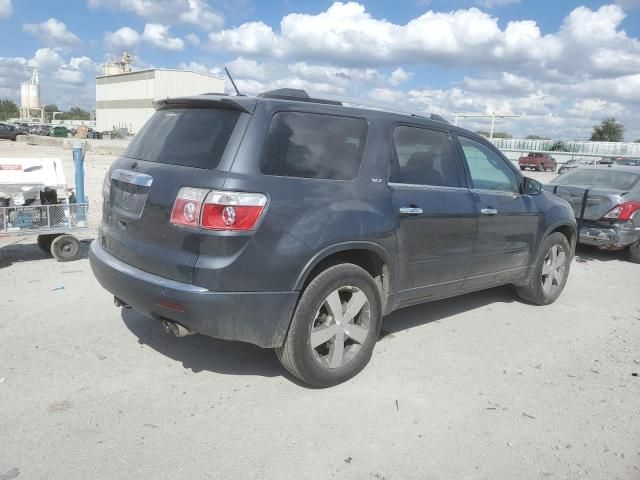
(531, 186)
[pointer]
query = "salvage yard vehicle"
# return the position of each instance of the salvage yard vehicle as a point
(606, 203)
(9, 132)
(629, 162)
(537, 161)
(296, 223)
(35, 200)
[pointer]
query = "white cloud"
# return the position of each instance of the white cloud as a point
(46, 59)
(506, 84)
(398, 76)
(158, 36)
(67, 82)
(124, 38)
(193, 12)
(193, 39)
(52, 32)
(6, 9)
(346, 33)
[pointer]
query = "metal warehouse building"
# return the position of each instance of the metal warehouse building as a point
(125, 100)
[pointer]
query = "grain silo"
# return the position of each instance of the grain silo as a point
(30, 98)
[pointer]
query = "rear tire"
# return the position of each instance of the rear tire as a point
(45, 241)
(327, 342)
(634, 252)
(66, 248)
(550, 273)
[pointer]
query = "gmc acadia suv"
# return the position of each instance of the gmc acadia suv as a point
(296, 224)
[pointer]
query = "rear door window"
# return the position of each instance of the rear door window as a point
(309, 145)
(191, 137)
(423, 157)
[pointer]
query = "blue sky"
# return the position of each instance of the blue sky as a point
(563, 65)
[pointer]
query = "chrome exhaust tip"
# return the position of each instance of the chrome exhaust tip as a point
(175, 329)
(119, 303)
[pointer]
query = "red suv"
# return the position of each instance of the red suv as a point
(537, 161)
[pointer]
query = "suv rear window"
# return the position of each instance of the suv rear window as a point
(191, 137)
(310, 145)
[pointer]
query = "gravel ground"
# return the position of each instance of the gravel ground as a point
(477, 387)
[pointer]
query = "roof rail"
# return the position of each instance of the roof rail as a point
(296, 95)
(302, 96)
(355, 102)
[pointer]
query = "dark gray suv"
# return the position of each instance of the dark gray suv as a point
(296, 224)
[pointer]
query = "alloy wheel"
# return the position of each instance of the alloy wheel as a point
(340, 327)
(553, 269)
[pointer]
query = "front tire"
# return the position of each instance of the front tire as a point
(550, 273)
(334, 328)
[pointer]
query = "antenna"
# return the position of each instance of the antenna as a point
(233, 83)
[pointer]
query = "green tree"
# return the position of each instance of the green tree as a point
(48, 111)
(609, 130)
(8, 109)
(487, 134)
(75, 113)
(536, 137)
(637, 141)
(559, 146)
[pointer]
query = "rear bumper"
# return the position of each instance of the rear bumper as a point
(261, 318)
(615, 236)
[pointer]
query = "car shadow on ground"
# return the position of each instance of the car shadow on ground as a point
(586, 253)
(28, 251)
(415, 316)
(201, 353)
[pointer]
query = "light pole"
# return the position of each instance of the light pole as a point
(492, 116)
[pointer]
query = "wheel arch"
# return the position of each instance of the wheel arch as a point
(370, 256)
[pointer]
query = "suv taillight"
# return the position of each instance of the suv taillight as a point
(187, 207)
(623, 212)
(218, 210)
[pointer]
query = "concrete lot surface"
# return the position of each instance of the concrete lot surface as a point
(476, 387)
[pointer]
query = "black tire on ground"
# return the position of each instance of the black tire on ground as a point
(522, 168)
(299, 357)
(65, 248)
(44, 242)
(634, 252)
(534, 292)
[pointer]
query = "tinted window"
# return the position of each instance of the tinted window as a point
(423, 158)
(310, 145)
(488, 170)
(193, 137)
(604, 178)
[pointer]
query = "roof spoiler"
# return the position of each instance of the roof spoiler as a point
(246, 105)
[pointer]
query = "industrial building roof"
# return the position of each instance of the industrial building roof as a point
(220, 77)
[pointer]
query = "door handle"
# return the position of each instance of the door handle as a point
(489, 211)
(410, 210)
